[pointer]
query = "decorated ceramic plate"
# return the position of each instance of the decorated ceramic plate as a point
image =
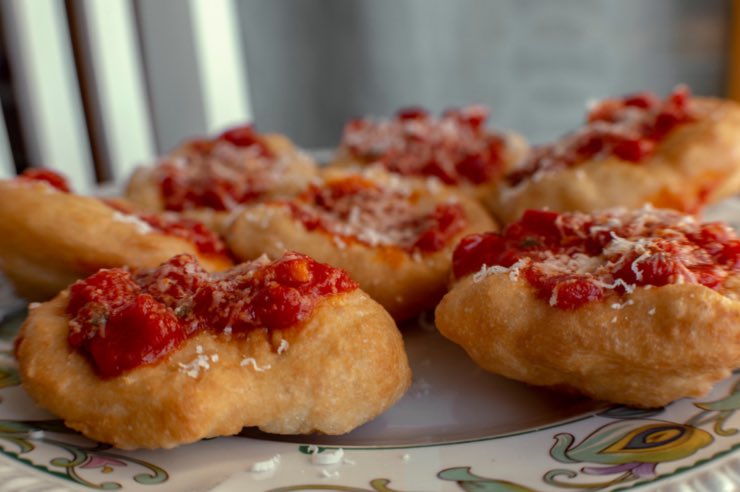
(457, 429)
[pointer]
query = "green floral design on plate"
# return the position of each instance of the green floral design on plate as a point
(21, 438)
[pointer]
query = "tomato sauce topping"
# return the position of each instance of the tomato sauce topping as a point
(205, 240)
(357, 209)
(629, 128)
(455, 148)
(52, 178)
(121, 320)
(220, 173)
(571, 258)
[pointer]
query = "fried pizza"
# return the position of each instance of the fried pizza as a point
(681, 153)
(160, 357)
(639, 307)
(393, 235)
(456, 148)
(209, 179)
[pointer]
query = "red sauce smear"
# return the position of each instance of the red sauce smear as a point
(356, 209)
(217, 173)
(617, 250)
(205, 240)
(455, 148)
(629, 128)
(121, 320)
(48, 176)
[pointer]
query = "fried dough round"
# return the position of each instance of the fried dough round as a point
(696, 164)
(639, 307)
(343, 366)
(51, 238)
(403, 282)
(672, 341)
(285, 176)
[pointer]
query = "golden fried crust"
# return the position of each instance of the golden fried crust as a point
(143, 186)
(673, 341)
(50, 239)
(344, 366)
(403, 285)
(698, 164)
(515, 149)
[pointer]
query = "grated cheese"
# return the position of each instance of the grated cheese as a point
(202, 361)
(247, 361)
(618, 306)
(329, 474)
(36, 434)
(327, 457)
(486, 271)
(338, 242)
(283, 346)
(266, 465)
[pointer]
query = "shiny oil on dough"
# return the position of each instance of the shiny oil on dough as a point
(51, 238)
(697, 164)
(644, 349)
(340, 368)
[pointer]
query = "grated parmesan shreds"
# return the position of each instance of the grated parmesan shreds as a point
(553, 301)
(266, 465)
(251, 361)
(329, 473)
(338, 242)
(327, 457)
(202, 362)
(36, 434)
(629, 288)
(283, 346)
(486, 271)
(628, 122)
(248, 171)
(618, 306)
(378, 216)
(634, 241)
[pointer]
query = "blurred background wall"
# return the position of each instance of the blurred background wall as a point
(315, 63)
(94, 87)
